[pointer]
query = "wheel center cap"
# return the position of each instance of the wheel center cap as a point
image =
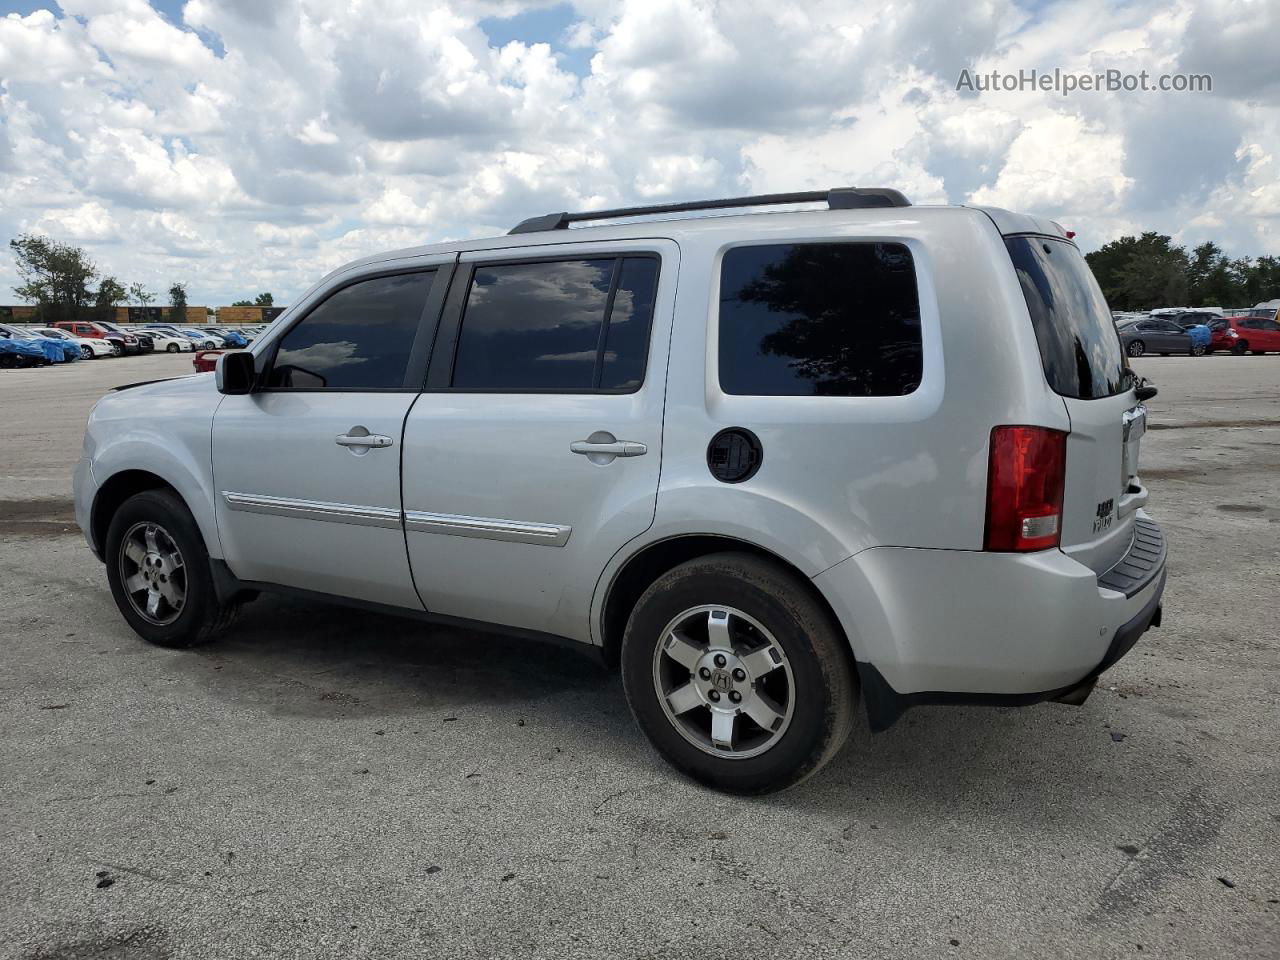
(722, 680)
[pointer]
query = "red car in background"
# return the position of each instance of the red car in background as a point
(205, 360)
(1244, 334)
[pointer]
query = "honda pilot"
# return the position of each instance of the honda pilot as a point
(777, 463)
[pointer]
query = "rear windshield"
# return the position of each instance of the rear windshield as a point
(1079, 346)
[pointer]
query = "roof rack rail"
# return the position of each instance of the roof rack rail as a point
(840, 198)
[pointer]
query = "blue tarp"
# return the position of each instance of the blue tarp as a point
(57, 351)
(234, 338)
(1200, 335)
(22, 347)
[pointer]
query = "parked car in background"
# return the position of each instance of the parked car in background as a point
(17, 349)
(145, 343)
(203, 340)
(206, 360)
(231, 337)
(170, 342)
(1256, 335)
(1190, 318)
(121, 341)
(55, 348)
(1157, 335)
(89, 347)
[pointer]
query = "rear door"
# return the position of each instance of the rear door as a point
(1084, 364)
(534, 454)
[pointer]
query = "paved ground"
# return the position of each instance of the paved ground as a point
(325, 783)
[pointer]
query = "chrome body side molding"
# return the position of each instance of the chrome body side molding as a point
(488, 528)
(313, 510)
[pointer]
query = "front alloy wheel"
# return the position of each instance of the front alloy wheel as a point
(86, 352)
(153, 573)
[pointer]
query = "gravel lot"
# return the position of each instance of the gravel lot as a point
(330, 783)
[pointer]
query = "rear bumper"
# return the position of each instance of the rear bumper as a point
(951, 626)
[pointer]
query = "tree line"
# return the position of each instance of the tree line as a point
(58, 278)
(1140, 273)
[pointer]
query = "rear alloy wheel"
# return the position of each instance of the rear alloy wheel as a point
(172, 348)
(1240, 348)
(1198, 350)
(737, 675)
(1137, 348)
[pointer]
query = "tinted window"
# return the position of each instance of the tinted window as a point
(1079, 348)
(626, 343)
(830, 319)
(549, 326)
(357, 339)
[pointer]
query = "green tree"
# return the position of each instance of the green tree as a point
(138, 292)
(110, 293)
(54, 276)
(178, 297)
(242, 303)
(1138, 273)
(262, 300)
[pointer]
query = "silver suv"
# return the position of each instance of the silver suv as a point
(770, 462)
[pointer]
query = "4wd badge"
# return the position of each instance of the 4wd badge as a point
(1102, 521)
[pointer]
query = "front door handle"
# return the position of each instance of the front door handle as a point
(370, 440)
(601, 447)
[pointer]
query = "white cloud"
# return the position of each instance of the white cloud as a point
(255, 145)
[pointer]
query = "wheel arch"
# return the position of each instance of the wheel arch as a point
(654, 559)
(125, 483)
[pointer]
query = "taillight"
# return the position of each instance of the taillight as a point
(1026, 474)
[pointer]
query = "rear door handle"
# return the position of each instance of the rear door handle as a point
(372, 440)
(616, 448)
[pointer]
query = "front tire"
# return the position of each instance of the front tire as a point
(159, 572)
(737, 675)
(1137, 348)
(172, 348)
(86, 352)
(1240, 348)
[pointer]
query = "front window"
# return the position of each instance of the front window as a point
(360, 338)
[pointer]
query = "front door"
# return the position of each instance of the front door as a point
(307, 467)
(534, 455)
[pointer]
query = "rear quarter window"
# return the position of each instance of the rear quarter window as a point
(819, 319)
(1079, 347)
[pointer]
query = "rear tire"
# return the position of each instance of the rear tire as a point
(1137, 348)
(1259, 353)
(1198, 350)
(1240, 348)
(735, 626)
(172, 348)
(159, 572)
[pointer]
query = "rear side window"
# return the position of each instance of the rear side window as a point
(569, 325)
(819, 319)
(358, 339)
(1079, 348)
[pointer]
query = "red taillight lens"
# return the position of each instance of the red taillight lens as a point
(1025, 478)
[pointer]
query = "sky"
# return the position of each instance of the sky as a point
(241, 146)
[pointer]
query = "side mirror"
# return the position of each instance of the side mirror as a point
(234, 373)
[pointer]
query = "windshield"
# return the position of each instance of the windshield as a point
(1079, 346)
